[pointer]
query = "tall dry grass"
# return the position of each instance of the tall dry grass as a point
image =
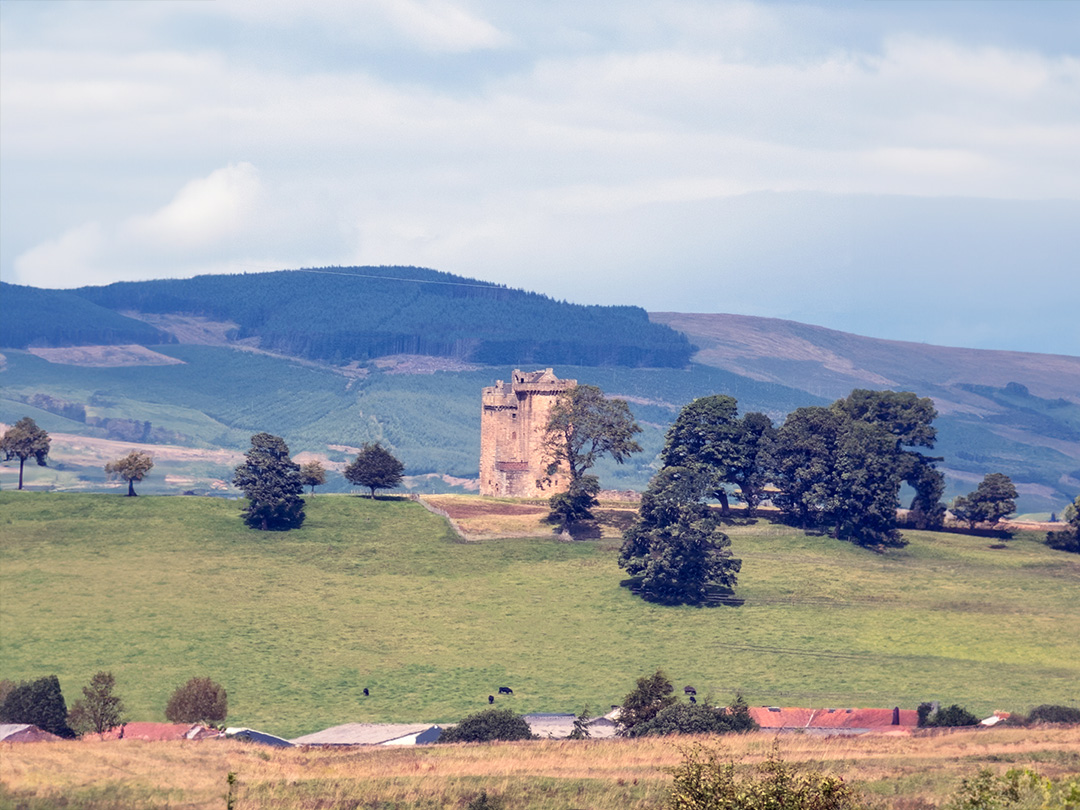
(894, 771)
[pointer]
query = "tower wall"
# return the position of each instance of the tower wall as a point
(512, 421)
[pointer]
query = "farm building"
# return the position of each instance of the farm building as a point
(24, 732)
(373, 734)
(834, 721)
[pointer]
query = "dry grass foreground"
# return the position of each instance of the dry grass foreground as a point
(900, 772)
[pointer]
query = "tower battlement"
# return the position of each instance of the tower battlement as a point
(512, 421)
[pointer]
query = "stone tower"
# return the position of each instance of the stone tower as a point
(512, 422)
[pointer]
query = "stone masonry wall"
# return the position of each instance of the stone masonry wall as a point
(512, 422)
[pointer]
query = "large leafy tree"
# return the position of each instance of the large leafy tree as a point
(25, 440)
(487, 726)
(39, 703)
(993, 500)
(697, 718)
(1067, 539)
(272, 483)
(132, 467)
(313, 474)
(583, 426)
(676, 552)
(99, 709)
(652, 694)
(200, 700)
(375, 467)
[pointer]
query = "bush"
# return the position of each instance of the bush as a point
(200, 700)
(99, 709)
(487, 726)
(690, 718)
(946, 717)
(39, 703)
(1054, 714)
(703, 782)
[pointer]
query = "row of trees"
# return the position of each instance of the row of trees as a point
(41, 703)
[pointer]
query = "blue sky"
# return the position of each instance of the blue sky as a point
(906, 170)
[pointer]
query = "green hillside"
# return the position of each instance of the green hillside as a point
(378, 594)
(342, 314)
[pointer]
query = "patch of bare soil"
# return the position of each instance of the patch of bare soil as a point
(189, 328)
(420, 364)
(105, 356)
(93, 452)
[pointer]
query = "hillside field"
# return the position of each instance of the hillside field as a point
(382, 594)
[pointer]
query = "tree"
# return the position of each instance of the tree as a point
(697, 718)
(375, 468)
(39, 703)
(99, 709)
(132, 467)
(200, 700)
(705, 434)
(488, 725)
(675, 551)
(581, 726)
(25, 440)
(272, 484)
(1067, 539)
(992, 500)
(652, 694)
(582, 427)
(313, 474)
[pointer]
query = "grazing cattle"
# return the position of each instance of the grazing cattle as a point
(491, 698)
(505, 690)
(693, 699)
(366, 693)
(689, 690)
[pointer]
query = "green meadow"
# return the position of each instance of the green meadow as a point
(381, 594)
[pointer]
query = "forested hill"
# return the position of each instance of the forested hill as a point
(341, 314)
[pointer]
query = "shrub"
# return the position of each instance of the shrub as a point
(39, 703)
(1054, 714)
(200, 700)
(487, 726)
(689, 718)
(703, 782)
(99, 709)
(945, 717)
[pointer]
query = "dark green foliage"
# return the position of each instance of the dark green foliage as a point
(945, 717)
(33, 317)
(1068, 538)
(375, 468)
(487, 726)
(993, 500)
(1048, 713)
(675, 552)
(338, 314)
(99, 709)
(653, 694)
(581, 726)
(200, 700)
(39, 703)
(132, 467)
(1016, 788)
(582, 427)
(575, 505)
(272, 484)
(25, 440)
(840, 468)
(696, 718)
(704, 782)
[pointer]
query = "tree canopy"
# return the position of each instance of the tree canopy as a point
(1068, 538)
(39, 703)
(272, 484)
(200, 700)
(993, 500)
(652, 694)
(697, 718)
(25, 440)
(99, 709)
(487, 726)
(584, 425)
(313, 474)
(375, 467)
(132, 467)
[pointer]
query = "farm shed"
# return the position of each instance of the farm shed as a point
(834, 721)
(373, 734)
(261, 737)
(24, 732)
(557, 726)
(157, 732)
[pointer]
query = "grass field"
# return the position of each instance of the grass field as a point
(380, 594)
(892, 773)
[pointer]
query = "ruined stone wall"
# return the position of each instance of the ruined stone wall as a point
(512, 421)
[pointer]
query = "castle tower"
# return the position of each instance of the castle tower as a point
(512, 422)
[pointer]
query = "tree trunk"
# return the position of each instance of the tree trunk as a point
(21, 462)
(725, 507)
(131, 488)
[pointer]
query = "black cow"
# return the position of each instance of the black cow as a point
(366, 692)
(505, 690)
(689, 690)
(491, 698)
(693, 699)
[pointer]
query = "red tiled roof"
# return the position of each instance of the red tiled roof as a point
(160, 731)
(832, 718)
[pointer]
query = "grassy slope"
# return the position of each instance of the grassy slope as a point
(378, 594)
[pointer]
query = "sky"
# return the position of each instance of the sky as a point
(906, 170)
